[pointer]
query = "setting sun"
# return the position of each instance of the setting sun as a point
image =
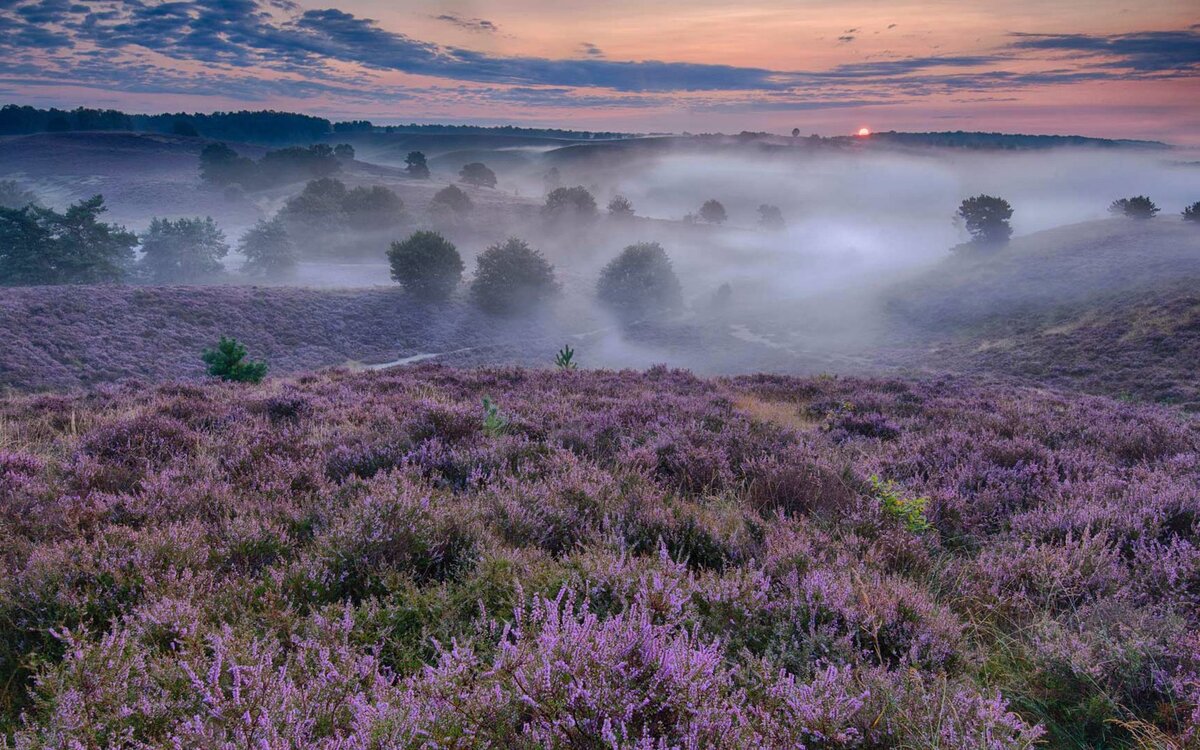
(864, 132)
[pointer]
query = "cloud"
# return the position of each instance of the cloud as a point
(1146, 51)
(846, 38)
(470, 24)
(591, 50)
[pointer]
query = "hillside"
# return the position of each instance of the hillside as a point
(377, 560)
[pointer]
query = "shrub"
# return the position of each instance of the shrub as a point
(565, 359)
(426, 265)
(451, 198)
(477, 174)
(268, 249)
(620, 207)
(183, 250)
(227, 362)
(639, 283)
(570, 202)
(713, 212)
(1192, 212)
(511, 277)
(986, 218)
(1137, 207)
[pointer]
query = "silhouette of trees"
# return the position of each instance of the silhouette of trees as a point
(639, 283)
(42, 246)
(511, 277)
(477, 174)
(986, 219)
(416, 166)
(182, 250)
(1137, 207)
(713, 212)
(426, 265)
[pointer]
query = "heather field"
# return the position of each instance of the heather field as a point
(597, 559)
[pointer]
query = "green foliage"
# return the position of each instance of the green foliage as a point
(426, 264)
(495, 423)
(511, 277)
(268, 249)
(12, 195)
(416, 165)
(986, 218)
(1137, 207)
(639, 283)
(620, 206)
(228, 362)
(565, 359)
(908, 510)
(182, 250)
(477, 174)
(570, 202)
(1192, 212)
(41, 246)
(451, 198)
(713, 212)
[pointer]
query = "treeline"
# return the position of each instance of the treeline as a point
(366, 126)
(222, 166)
(268, 127)
(965, 139)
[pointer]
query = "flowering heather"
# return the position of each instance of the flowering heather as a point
(636, 560)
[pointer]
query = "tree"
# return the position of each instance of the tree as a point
(268, 249)
(227, 362)
(373, 207)
(639, 283)
(13, 195)
(451, 198)
(182, 250)
(770, 217)
(620, 207)
(477, 174)
(511, 277)
(795, 132)
(426, 265)
(221, 165)
(1137, 207)
(574, 202)
(185, 129)
(41, 246)
(713, 212)
(986, 218)
(1192, 212)
(344, 151)
(416, 165)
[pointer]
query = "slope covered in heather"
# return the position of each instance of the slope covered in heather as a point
(637, 560)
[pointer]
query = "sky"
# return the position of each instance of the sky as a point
(1111, 68)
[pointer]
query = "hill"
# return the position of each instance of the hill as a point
(386, 560)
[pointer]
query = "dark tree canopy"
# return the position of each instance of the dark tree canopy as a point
(268, 249)
(477, 174)
(12, 195)
(373, 207)
(426, 265)
(327, 219)
(639, 283)
(574, 202)
(620, 206)
(986, 219)
(511, 277)
(1137, 207)
(416, 165)
(41, 246)
(1192, 212)
(344, 151)
(228, 362)
(451, 198)
(220, 165)
(713, 212)
(770, 217)
(182, 250)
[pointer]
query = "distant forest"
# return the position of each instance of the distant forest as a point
(965, 139)
(266, 127)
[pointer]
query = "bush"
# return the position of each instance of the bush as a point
(1137, 207)
(268, 249)
(570, 202)
(1192, 212)
(620, 206)
(227, 362)
(512, 277)
(639, 283)
(451, 198)
(713, 212)
(986, 219)
(183, 250)
(477, 174)
(426, 265)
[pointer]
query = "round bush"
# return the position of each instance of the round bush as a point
(639, 283)
(426, 264)
(511, 277)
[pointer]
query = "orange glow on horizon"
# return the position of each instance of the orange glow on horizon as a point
(864, 132)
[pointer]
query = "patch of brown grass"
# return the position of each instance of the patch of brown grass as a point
(787, 414)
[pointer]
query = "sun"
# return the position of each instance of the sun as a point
(864, 132)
